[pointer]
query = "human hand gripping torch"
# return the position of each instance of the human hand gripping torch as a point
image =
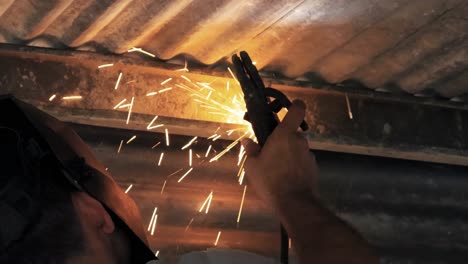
(261, 112)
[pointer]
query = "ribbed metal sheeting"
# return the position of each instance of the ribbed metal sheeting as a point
(419, 47)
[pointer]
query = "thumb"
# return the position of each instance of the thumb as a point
(251, 148)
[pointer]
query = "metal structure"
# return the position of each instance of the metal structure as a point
(380, 78)
(417, 47)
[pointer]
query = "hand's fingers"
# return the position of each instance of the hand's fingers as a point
(251, 148)
(294, 117)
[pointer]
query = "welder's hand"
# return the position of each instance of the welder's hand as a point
(284, 166)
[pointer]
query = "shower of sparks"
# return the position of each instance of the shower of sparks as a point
(190, 157)
(208, 151)
(152, 218)
(241, 168)
(118, 81)
(241, 177)
(120, 103)
(155, 145)
(120, 146)
(216, 138)
(150, 125)
(209, 203)
(167, 136)
(185, 68)
(350, 113)
(141, 51)
(164, 90)
(217, 238)
(186, 78)
(188, 226)
(241, 155)
(207, 200)
(152, 93)
(130, 107)
(164, 186)
(206, 86)
(241, 205)
(105, 65)
(157, 253)
(160, 158)
(72, 97)
(189, 143)
(233, 144)
(52, 98)
(185, 175)
(166, 81)
(213, 136)
(154, 224)
(233, 76)
(174, 173)
(129, 188)
(209, 95)
(131, 139)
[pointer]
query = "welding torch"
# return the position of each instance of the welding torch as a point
(262, 106)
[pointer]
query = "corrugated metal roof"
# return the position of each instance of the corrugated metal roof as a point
(418, 46)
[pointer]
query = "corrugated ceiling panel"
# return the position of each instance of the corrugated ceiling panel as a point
(417, 46)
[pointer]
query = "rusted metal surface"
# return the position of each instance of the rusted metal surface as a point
(382, 125)
(413, 212)
(400, 46)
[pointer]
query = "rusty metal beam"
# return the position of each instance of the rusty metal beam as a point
(387, 125)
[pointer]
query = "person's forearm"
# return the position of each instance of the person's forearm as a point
(317, 235)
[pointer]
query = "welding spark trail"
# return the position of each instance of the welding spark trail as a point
(164, 186)
(167, 137)
(150, 125)
(155, 145)
(185, 175)
(185, 68)
(217, 238)
(141, 51)
(186, 78)
(120, 146)
(72, 97)
(130, 110)
(189, 143)
(160, 158)
(208, 151)
(154, 224)
(151, 93)
(152, 218)
(350, 113)
(131, 139)
(118, 81)
(241, 177)
(233, 144)
(166, 81)
(157, 253)
(164, 90)
(241, 205)
(190, 157)
(188, 226)
(209, 203)
(52, 98)
(120, 103)
(233, 76)
(129, 188)
(105, 65)
(216, 138)
(205, 202)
